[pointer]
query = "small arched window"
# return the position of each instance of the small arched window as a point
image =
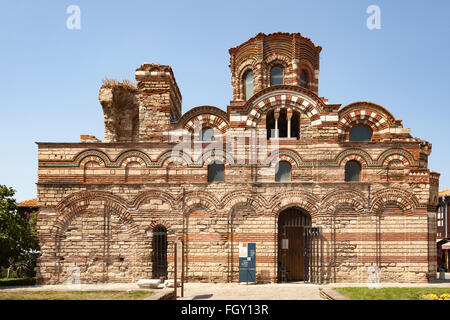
(352, 171)
(216, 172)
(276, 76)
(283, 172)
(303, 79)
(207, 134)
(248, 84)
(360, 133)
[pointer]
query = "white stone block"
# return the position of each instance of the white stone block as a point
(149, 283)
(169, 283)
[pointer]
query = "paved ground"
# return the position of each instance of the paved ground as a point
(234, 291)
(205, 291)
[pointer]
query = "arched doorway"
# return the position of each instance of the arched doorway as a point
(292, 244)
(159, 257)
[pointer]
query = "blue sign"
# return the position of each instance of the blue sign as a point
(247, 262)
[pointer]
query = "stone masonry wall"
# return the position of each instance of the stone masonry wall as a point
(99, 202)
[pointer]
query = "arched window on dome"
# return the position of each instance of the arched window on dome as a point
(207, 134)
(283, 172)
(304, 79)
(248, 84)
(352, 171)
(276, 76)
(360, 133)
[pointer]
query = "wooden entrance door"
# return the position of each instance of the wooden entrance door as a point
(293, 254)
(291, 244)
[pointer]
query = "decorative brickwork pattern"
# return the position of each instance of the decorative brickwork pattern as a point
(100, 201)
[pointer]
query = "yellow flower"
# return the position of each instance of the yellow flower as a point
(444, 296)
(430, 296)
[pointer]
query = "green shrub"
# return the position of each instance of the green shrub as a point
(12, 282)
(4, 273)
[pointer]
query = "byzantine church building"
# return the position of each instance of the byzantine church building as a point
(326, 192)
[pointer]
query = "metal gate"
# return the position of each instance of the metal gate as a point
(292, 245)
(159, 258)
(313, 254)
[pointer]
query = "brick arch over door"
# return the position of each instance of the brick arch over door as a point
(304, 200)
(97, 234)
(402, 198)
(142, 197)
(72, 204)
(201, 199)
(252, 199)
(337, 198)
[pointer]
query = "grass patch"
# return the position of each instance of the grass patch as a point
(389, 293)
(75, 295)
(114, 83)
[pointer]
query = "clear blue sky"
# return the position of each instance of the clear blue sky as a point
(51, 75)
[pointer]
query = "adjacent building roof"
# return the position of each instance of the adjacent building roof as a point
(28, 203)
(445, 192)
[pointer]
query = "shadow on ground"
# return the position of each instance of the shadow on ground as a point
(203, 296)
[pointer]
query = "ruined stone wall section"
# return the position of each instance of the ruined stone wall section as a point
(159, 102)
(120, 110)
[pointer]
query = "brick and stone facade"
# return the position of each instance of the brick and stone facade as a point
(99, 201)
